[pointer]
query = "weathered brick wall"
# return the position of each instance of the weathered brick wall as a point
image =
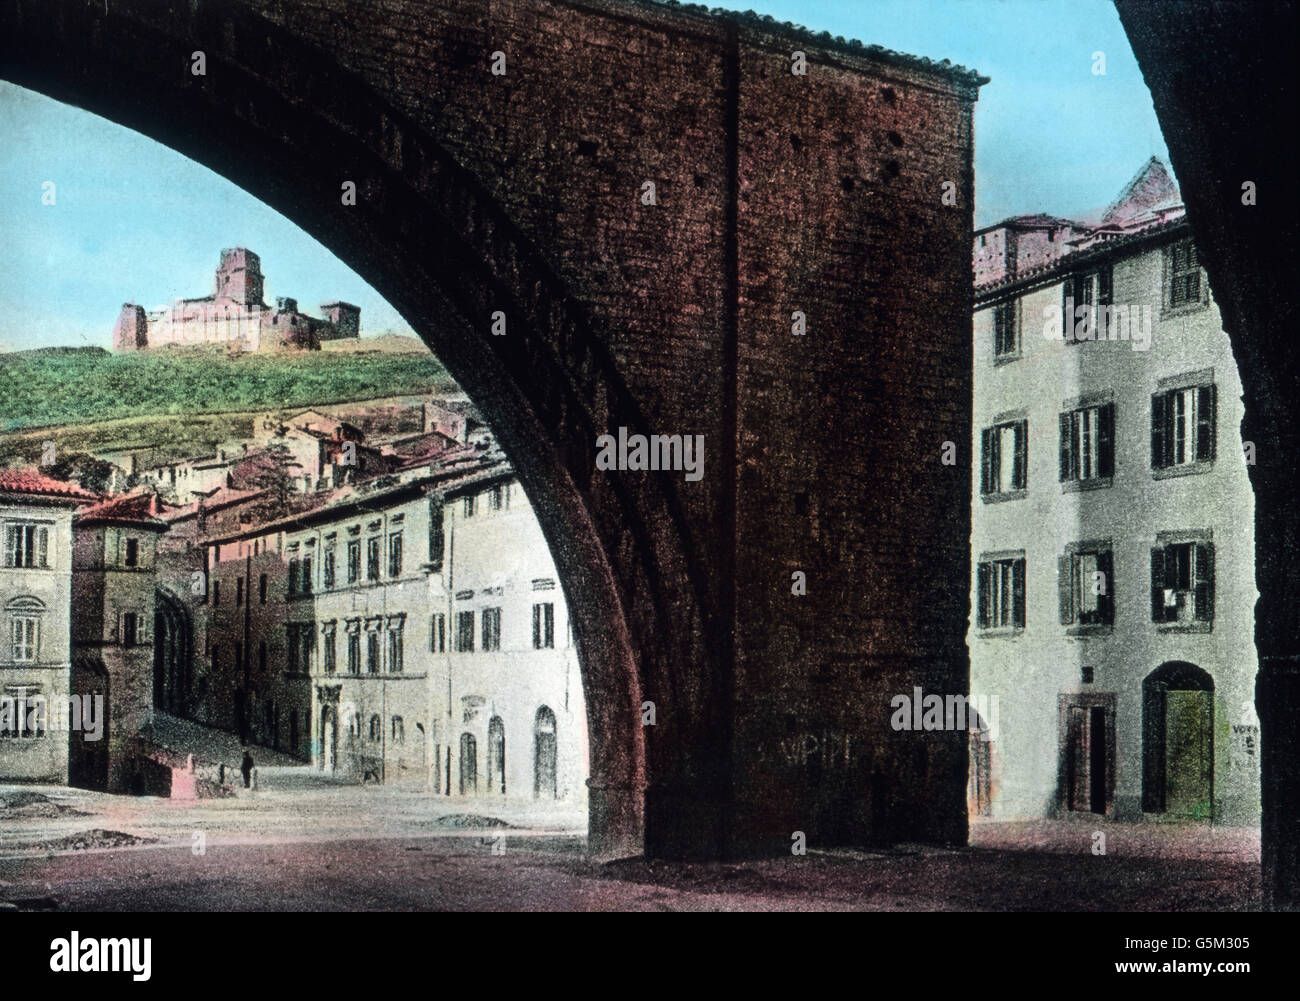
(820, 193)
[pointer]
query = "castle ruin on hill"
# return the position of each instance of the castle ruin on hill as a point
(235, 316)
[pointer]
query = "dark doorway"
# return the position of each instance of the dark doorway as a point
(468, 765)
(1178, 742)
(544, 783)
(497, 756)
(1087, 753)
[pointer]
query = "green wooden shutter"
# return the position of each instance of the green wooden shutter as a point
(1064, 465)
(1065, 589)
(1106, 602)
(986, 458)
(1018, 594)
(1203, 586)
(1158, 584)
(1019, 465)
(1159, 432)
(1206, 404)
(1106, 440)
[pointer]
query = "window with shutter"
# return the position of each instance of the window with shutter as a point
(1000, 593)
(1003, 458)
(1183, 426)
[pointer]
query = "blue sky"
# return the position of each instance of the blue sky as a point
(135, 221)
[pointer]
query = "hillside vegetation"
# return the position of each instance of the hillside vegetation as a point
(55, 386)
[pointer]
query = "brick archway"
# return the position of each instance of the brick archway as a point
(444, 253)
(843, 197)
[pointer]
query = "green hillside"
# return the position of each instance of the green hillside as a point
(77, 385)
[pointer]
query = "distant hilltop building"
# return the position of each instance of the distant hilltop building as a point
(235, 316)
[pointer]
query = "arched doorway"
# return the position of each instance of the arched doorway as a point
(544, 785)
(496, 762)
(468, 765)
(1178, 742)
(173, 653)
(328, 739)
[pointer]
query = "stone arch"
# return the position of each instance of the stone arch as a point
(1180, 677)
(173, 653)
(435, 243)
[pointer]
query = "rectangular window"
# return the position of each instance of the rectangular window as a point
(27, 546)
(306, 575)
(306, 643)
(24, 638)
(328, 569)
(291, 648)
(438, 633)
(495, 498)
(293, 577)
(435, 535)
(372, 652)
(372, 558)
(1184, 275)
(465, 632)
(1182, 582)
(1006, 330)
(544, 625)
(23, 713)
(261, 589)
(491, 629)
(1085, 580)
(328, 650)
(1087, 443)
(354, 561)
(1003, 467)
(239, 590)
(395, 555)
(354, 652)
(129, 628)
(132, 552)
(216, 593)
(1183, 424)
(394, 651)
(1000, 593)
(468, 506)
(1081, 295)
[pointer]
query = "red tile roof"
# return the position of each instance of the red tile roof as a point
(139, 509)
(27, 481)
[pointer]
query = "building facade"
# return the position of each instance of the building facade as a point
(114, 570)
(36, 515)
(234, 316)
(408, 630)
(1113, 549)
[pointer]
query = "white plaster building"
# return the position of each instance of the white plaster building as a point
(1113, 546)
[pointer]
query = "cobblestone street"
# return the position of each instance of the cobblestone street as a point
(300, 843)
